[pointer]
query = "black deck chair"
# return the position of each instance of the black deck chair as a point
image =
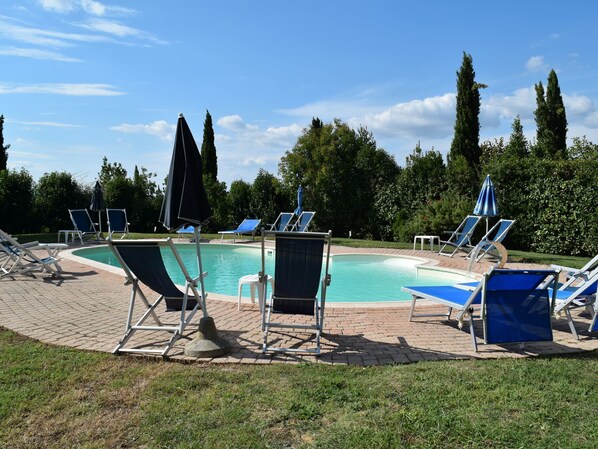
(299, 257)
(142, 262)
(117, 222)
(83, 223)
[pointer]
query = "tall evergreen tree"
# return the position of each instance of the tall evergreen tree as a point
(467, 124)
(3, 148)
(557, 117)
(517, 147)
(543, 131)
(551, 121)
(208, 150)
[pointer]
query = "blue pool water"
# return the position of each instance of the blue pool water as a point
(355, 277)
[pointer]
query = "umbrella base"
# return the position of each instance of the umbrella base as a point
(207, 343)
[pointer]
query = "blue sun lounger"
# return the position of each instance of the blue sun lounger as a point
(460, 238)
(515, 306)
(580, 293)
(247, 227)
(303, 221)
(282, 222)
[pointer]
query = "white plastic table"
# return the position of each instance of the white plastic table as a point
(253, 280)
(423, 238)
(68, 234)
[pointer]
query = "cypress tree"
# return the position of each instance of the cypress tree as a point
(517, 146)
(551, 120)
(557, 116)
(467, 124)
(208, 150)
(541, 114)
(3, 148)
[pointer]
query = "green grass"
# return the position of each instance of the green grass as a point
(514, 256)
(53, 397)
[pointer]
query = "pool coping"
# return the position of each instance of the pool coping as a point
(427, 264)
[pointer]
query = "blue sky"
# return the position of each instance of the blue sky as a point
(84, 79)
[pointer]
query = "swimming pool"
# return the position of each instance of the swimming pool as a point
(355, 277)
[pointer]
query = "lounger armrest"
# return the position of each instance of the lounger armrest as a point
(569, 270)
(203, 275)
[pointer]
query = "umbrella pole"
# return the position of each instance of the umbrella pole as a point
(196, 233)
(207, 343)
(100, 220)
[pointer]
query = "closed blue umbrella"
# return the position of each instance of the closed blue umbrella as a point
(486, 205)
(299, 201)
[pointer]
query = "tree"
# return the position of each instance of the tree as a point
(239, 200)
(551, 121)
(208, 150)
(340, 170)
(267, 197)
(3, 148)
(16, 200)
(422, 180)
(582, 148)
(54, 194)
(467, 124)
(557, 116)
(517, 148)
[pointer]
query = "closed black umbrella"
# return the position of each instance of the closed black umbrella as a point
(185, 199)
(97, 202)
(186, 202)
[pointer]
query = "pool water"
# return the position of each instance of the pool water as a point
(355, 277)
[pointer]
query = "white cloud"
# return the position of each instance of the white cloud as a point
(235, 123)
(160, 128)
(48, 124)
(35, 53)
(98, 90)
(433, 116)
(91, 7)
(47, 38)
(61, 6)
(330, 109)
(111, 27)
(536, 64)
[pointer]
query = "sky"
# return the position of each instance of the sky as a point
(84, 79)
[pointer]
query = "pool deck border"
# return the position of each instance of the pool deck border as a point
(87, 309)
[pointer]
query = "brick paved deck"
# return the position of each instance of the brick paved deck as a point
(87, 310)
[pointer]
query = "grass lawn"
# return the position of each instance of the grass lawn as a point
(53, 397)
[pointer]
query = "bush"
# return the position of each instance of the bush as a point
(434, 218)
